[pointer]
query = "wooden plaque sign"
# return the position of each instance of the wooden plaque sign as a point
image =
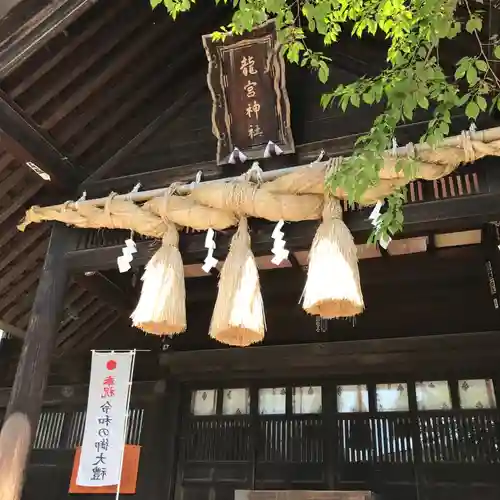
(246, 77)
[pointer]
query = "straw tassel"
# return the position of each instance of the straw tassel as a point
(162, 305)
(238, 318)
(332, 288)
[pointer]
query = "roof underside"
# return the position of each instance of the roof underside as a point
(98, 79)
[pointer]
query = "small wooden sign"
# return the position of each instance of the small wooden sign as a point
(246, 77)
(128, 483)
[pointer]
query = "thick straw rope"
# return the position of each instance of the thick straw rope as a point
(295, 196)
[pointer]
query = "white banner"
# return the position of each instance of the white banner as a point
(107, 409)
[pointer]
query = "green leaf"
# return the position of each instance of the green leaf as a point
(463, 100)
(481, 102)
(481, 65)
(326, 100)
(155, 3)
(472, 110)
(323, 72)
(423, 102)
(472, 75)
(369, 96)
(475, 23)
(460, 72)
(496, 51)
(355, 101)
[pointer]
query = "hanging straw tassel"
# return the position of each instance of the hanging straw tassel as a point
(162, 305)
(238, 318)
(332, 288)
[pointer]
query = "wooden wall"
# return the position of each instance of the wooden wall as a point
(188, 138)
(414, 454)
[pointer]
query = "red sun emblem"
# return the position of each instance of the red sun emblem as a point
(111, 364)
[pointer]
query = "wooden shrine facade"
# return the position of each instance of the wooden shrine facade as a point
(429, 439)
(82, 104)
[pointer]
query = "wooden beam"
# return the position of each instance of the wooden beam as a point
(25, 141)
(26, 400)
(333, 357)
(338, 146)
(60, 395)
(461, 213)
(12, 330)
(419, 269)
(25, 30)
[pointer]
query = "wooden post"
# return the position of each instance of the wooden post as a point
(23, 412)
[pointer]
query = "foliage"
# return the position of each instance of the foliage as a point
(413, 78)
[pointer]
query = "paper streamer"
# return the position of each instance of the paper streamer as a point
(376, 220)
(127, 256)
(237, 155)
(279, 250)
(272, 148)
(210, 261)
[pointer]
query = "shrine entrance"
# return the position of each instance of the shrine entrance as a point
(424, 440)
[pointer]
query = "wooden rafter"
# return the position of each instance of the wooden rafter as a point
(12, 330)
(26, 142)
(180, 97)
(21, 39)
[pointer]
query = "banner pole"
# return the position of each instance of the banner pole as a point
(125, 427)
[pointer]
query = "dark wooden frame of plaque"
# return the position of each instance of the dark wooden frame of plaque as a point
(221, 113)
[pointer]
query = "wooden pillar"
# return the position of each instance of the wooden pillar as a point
(23, 411)
(158, 464)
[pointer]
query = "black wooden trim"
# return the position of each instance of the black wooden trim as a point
(305, 153)
(77, 394)
(404, 354)
(26, 142)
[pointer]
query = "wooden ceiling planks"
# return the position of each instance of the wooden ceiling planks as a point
(41, 94)
(99, 88)
(79, 88)
(24, 29)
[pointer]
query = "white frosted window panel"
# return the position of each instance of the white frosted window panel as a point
(392, 397)
(306, 399)
(476, 394)
(204, 402)
(272, 401)
(352, 398)
(433, 395)
(236, 402)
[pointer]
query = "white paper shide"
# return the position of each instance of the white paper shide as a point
(107, 408)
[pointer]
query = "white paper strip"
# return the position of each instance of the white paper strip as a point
(107, 409)
(124, 263)
(210, 261)
(278, 249)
